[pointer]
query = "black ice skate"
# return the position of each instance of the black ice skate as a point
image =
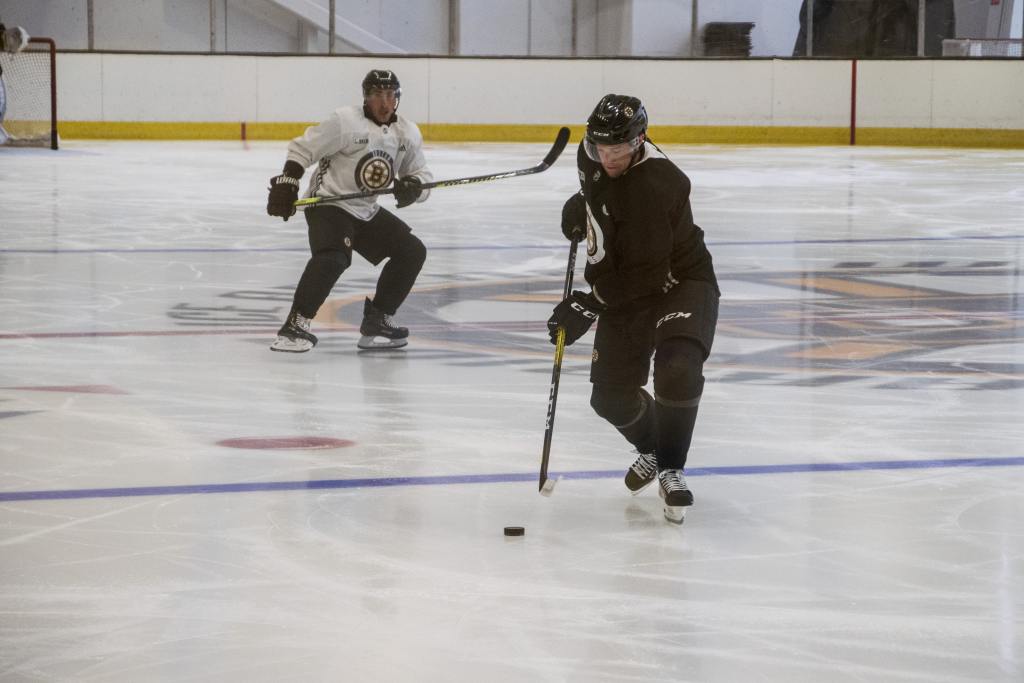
(641, 473)
(379, 330)
(675, 494)
(294, 336)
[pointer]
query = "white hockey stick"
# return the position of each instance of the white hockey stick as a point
(556, 149)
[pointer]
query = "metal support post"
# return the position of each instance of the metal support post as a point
(810, 28)
(920, 27)
(330, 27)
(694, 29)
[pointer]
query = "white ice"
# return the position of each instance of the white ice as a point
(858, 463)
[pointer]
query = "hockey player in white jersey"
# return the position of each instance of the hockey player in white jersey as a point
(357, 149)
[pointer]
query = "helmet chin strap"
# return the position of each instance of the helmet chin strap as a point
(635, 158)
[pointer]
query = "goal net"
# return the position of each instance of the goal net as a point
(982, 47)
(28, 95)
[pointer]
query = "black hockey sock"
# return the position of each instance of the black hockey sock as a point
(641, 432)
(321, 272)
(678, 385)
(629, 410)
(399, 275)
(675, 431)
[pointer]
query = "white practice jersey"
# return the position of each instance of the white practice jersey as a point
(354, 154)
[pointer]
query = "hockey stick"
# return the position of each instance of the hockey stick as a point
(547, 486)
(556, 149)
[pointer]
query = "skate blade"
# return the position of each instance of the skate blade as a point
(291, 346)
(367, 343)
(675, 515)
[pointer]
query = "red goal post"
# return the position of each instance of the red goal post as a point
(30, 84)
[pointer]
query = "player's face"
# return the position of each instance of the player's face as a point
(615, 159)
(382, 104)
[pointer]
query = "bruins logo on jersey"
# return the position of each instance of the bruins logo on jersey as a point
(374, 171)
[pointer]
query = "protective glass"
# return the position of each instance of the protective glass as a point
(383, 94)
(611, 153)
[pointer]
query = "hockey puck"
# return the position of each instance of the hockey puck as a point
(515, 531)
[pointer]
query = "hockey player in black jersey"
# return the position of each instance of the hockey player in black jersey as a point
(653, 292)
(355, 150)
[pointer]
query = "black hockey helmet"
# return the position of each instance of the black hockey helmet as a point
(616, 119)
(382, 79)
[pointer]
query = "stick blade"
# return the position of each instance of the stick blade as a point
(561, 140)
(548, 487)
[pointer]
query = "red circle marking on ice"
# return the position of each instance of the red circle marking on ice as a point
(286, 442)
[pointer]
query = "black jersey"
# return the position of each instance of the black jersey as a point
(641, 238)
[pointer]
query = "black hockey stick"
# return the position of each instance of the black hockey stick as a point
(556, 149)
(547, 486)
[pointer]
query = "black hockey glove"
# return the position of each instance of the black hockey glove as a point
(407, 191)
(576, 314)
(574, 218)
(284, 190)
